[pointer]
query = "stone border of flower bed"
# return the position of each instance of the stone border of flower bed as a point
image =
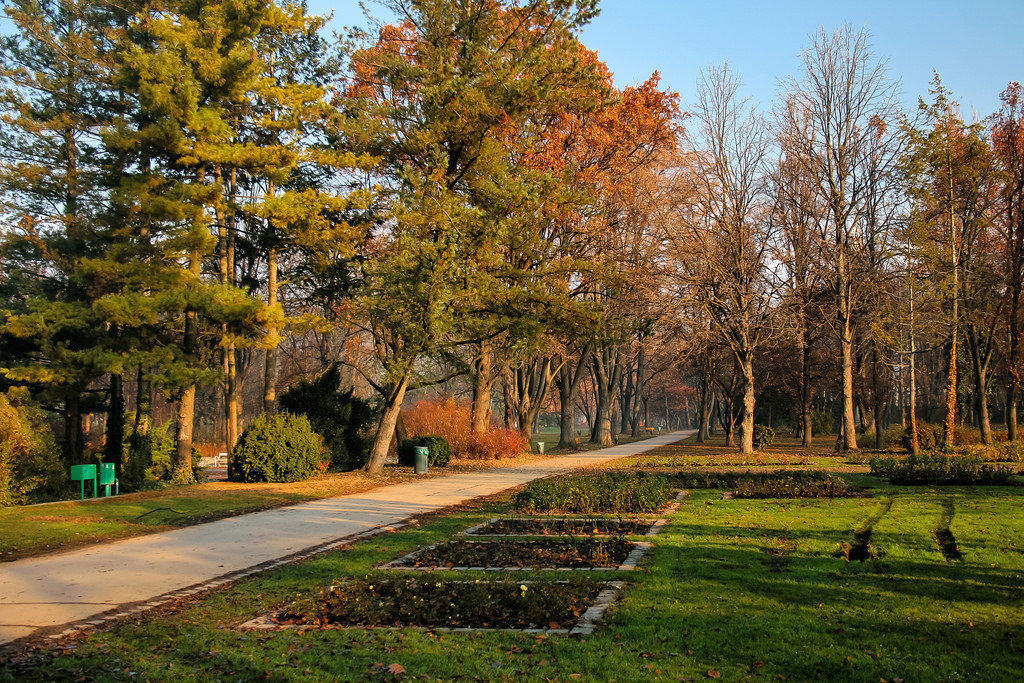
(629, 564)
(584, 626)
(675, 503)
(475, 530)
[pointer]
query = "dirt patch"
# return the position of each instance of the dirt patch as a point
(944, 537)
(544, 606)
(581, 553)
(860, 549)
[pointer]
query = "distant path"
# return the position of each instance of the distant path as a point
(65, 592)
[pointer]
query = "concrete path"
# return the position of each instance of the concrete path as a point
(39, 596)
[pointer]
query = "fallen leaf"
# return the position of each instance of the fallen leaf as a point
(396, 669)
(715, 673)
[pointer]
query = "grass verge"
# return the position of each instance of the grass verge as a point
(37, 529)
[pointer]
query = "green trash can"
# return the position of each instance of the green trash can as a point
(106, 476)
(420, 464)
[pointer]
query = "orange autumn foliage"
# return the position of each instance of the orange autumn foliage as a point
(450, 419)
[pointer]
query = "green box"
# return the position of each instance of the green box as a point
(107, 477)
(83, 473)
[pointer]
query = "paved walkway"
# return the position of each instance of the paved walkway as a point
(45, 595)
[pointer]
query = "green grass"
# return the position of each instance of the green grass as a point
(748, 590)
(36, 529)
(785, 452)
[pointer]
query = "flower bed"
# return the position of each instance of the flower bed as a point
(576, 553)
(561, 526)
(608, 493)
(566, 606)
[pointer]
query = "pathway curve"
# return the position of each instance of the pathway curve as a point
(59, 594)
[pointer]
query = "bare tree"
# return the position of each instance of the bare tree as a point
(837, 114)
(722, 236)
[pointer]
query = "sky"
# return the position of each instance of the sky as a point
(977, 48)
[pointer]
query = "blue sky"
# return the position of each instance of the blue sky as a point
(977, 48)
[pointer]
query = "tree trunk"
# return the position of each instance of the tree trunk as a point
(1013, 371)
(386, 431)
(568, 382)
(981, 355)
(182, 468)
(747, 425)
(638, 392)
(226, 253)
(949, 424)
(845, 313)
(602, 432)
(805, 384)
(704, 409)
(270, 368)
(140, 443)
(483, 382)
(73, 437)
(879, 406)
(233, 397)
(915, 444)
(725, 419)
(607, 365)
(626, 397)
(113, 450)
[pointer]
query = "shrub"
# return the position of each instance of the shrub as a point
(337, 416)
(764, 436)
(30, 465)
(821, 422)
(161, 452)
(280, 448)
(445, 418)
(705, 480)
(612, 492)
(777, 484)
(1009, 451)
(496, 444)
(966, 436)
(926, 437)
(792, 486)
(439, 451)
(892, 437)
(939, 469)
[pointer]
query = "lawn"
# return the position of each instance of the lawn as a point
(735, 590)
(36, 529)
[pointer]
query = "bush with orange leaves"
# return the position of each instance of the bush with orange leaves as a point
(453, 421)
(496, 444)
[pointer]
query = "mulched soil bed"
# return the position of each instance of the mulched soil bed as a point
(559, 526)
(579, 553)
(449, 604)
